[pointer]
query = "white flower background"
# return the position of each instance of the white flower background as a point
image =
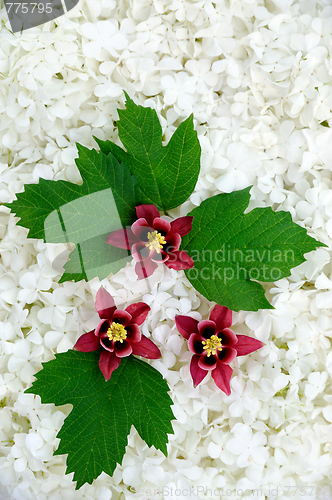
(257, 76)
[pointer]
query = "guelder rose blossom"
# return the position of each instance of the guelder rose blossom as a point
(214, 346)
(153, 241)
(117, 334)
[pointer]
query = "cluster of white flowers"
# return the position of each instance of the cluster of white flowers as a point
(257, 76)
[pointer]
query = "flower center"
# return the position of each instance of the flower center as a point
(212, 345)
(117, 332)
(156, 241)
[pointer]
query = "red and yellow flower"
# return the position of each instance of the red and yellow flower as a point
(153, 240)
(117, 334)
(214, 346)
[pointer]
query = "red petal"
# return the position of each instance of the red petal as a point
(246, 345)
(106, 343)
(122, 317)
(108, 362)
(146, 348)
(207, 362)
(161, 225)
(140, 252)
(141, 229)
(182, 225)
(145, 269)
(122, 349)
(197, 373)
(179, 260)
(227, 355)
(186, 325)
(173, 242)
(222, 375)
(222, 316)
(148, 212)
(227, 337)
(138, 312)
(206, 328)
(159, 258)
(122, 238)
(102, 327)
(104, 304)
(87, 342)
(133, 333)
(195, 344)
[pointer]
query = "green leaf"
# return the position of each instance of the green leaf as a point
(62, 212)
(231, 249)
(167, 175)
(95, 432)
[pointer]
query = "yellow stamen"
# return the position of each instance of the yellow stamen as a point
(117, 332)
(212, 345)
(156, 241)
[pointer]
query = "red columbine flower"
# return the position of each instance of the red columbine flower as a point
(214, 346)
(117, 334)
(153, 240)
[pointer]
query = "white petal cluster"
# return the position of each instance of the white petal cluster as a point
(257, 77)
